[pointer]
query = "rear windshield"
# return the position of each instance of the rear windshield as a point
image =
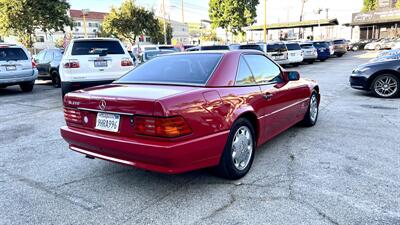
(293, 46)
(7, 54)
(321, 45)
(339, 42)
(215, 47)
(307, 46)
(276, 48)
(252, 47)
(183, 69)
(97, 47)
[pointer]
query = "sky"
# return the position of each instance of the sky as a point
(277, 10)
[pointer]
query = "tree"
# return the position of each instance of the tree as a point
(398, 4)
(129, 21)
(22, 17)
(369, 5)
(159, 36)
(232, 15)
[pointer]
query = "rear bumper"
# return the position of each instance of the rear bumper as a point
(19, 79)
(163, 157)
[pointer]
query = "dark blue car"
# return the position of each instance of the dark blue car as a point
(322, 50)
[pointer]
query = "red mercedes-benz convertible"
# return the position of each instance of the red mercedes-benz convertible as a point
(187, 111)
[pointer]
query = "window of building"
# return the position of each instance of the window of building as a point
(148, 39)
(91, 24)
(77, 24)
(40, 39)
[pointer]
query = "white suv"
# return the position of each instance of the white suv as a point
(94, 61)
(295, 53)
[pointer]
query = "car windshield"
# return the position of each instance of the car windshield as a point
(95, 47)
(7, 54)
(185, 69)
(293, 46)
(215, 47)
(276, 47)
(321, 44)
(153, 54)
(339, 42)
(252, 47)
(307, 46)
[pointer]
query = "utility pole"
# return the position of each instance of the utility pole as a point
(301, 30)
(84, 13)
(165, 22)
(183, 14)
(265, 21)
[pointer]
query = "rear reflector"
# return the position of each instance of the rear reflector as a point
(168, 127)
(126, 62)
(33, 64)
(72, 115)
(72, 63)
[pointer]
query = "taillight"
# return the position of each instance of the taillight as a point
(72, 115)
(126, 62)
(168, 127)
(33, 63)
(72, 63)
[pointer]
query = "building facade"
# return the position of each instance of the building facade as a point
(381, 23)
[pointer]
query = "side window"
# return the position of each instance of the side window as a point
(264, 70)
(244, 75)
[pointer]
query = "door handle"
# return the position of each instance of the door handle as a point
(268, 96)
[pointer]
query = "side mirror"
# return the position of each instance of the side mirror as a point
(291, 75)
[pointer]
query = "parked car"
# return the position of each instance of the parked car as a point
(382, 78)
(93, 61)
(389, 44)
(339, 47)
(248, 47)
(322, 50)
(295, 53)
(169, 47)
(147, 55)
(309, 52)
(48, 64)
(374, 45)
(331, 47)
(359, 45)
(207, 48)
(186, 111)
(277, 51)
(17, 67)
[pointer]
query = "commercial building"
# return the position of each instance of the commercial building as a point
(381, 23)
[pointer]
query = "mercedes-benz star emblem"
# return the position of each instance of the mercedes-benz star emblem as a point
(102, 105)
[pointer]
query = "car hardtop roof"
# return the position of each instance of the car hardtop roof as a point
(223, 52)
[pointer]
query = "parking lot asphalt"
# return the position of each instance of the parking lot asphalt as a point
(345, 170)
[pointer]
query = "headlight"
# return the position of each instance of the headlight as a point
(361, 70)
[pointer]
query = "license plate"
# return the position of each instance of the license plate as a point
(107, 122)
(100, 63)
(11, 68)
(278, 57)
(293, 54)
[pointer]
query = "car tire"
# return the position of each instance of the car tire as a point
(295, 64)
(322, 60)
(386, 86)
(27, 86)
(311, 116)
(55, 79)
(230, 167)
(339, 55)
(65, 89)
(311, 62)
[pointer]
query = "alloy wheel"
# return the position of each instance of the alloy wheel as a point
(385, 86)
(313, 108)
